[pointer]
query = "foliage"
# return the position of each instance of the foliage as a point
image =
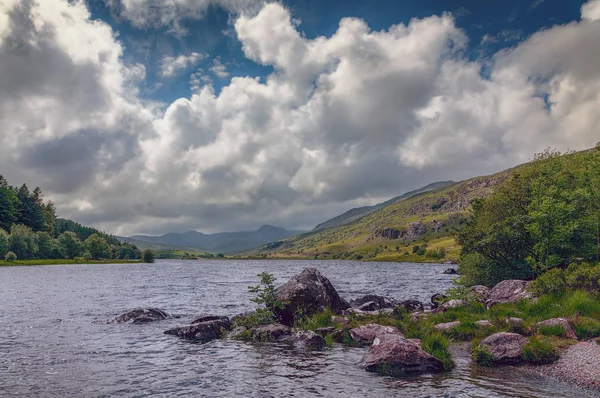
(545, 215)
(97, 247)
(266, 298)
(86, 256)
(438, 346)
(148, 256)
(482, 356)
(328, 340)
(10, 257)
(539, 352)
(3, 242)
(70, 244)
(23, 242)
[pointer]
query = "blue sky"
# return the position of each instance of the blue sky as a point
(489, 25)
(151, 116)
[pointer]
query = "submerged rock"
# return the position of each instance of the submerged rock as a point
(379, 302)
(393, 354)
(142, 315)
(308, 340)
(307, 293)
(366, 334)
(506, 348)
(569, 332)
(450, 271)
(508, 291)
(202, 331)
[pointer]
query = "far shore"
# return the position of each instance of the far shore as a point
(61, 261)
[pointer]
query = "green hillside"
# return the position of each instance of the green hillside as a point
(416, 228)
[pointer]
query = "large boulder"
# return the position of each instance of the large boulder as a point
(366, 334)
(562, 322)
(393, 354)
(480, 292)
(379, 302)
(141, 315)
(506, 348)
(308, 340)
(508, 291)
(204, 331)
(305, 294)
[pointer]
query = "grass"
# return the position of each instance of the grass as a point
(552, 330)
(540, 352)
(482, 356)
(438, 346)
(62, 261)
(586, 328)
(328, 340)
(316, 321)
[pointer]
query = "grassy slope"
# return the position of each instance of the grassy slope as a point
(358, 240)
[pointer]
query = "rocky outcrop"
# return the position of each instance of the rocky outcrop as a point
(366, 334)
(271, 332)
(307, 293)
(436, 225)
(308, 340)
(446, 326)
(415, 229)
(389, 233)
(508, 291)
(204, 331)
(394, 355)
(506, 348)
(380, 301)
(562, 322)
(141, 315)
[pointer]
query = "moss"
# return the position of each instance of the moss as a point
(540, 352)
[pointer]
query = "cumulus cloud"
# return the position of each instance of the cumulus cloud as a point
(219, 69)
(170, 66)
(591, 10)
(343, 120)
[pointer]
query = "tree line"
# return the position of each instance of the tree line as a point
(545, 217)
(30, 229)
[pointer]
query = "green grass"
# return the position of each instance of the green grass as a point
(438, 346)
(540, 352)
(482, 356)
(328, 340)
(586, 328)
(552, 330)
(316, 321)
(62, 261)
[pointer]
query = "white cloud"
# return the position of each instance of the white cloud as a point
(591, 10)
(343, 120)
(219, 69)
(170, 66)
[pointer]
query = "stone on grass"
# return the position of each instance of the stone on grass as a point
(569, 332)
(446, 326)
(506, 348)
(508, 291)
(484, 323)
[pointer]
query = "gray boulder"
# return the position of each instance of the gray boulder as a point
(508, 291)
(393, 354)
(366, 334)
(272, 332)
(446, 326)
(481, 292)
(506, 348)
(141, 315)
(562, 322)
(305, 294)
(452, 304)
(308, 340)
(204, 331)
(411, 306)
(379, 302)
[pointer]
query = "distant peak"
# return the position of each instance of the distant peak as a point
(268, 227)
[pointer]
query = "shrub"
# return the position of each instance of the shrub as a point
(539, 352)
(87, 256)
(10, 257)
(148, 256)
(482, 356)
(437, 345)
(551, 282)
(552, 330)
(586, 328)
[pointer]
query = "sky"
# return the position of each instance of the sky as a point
(152, 116)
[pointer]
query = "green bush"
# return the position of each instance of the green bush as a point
(539, 352)
(552, 330)
(10, 257)
(552, 282)
(148, 256)
(87, 256)
(482, 356)
(438, 346)
(586, 328)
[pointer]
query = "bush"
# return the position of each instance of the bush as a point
(551, 282)
(539, 352)
(586, 328)
(148, 256)
(438, 346)
(10, 257)
(482, 356)
(86, 256)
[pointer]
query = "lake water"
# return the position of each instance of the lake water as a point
(52, 343)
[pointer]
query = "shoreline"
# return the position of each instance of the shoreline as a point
(27, 263)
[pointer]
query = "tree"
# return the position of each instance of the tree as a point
(23, 242)
(70, 245)
(10, 257)
(97, 247)
(9, 205)
(148, 256)
(3, 242)
(46, 245)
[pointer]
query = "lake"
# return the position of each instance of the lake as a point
(53, 341)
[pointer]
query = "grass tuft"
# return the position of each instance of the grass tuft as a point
(539, 352)
(438, 346)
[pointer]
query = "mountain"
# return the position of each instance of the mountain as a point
(225, 242)
(358, 212)
(417, 227)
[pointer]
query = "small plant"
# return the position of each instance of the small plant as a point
(266, 298)
(539, 352)
(552, 330)
(437, 345)
(10, 257)
(482, 356)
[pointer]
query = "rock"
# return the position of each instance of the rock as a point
(446, 326)
(436, 225)
(340, 320)
(515, 322)
(437, 299)
(308, 340)
(142, 315)
(450, 271)
(271, 332)
(369, 306)
(202, 331)
(366, 334)
(411, 306)
(207, 318)
(393, 354)
(380, 301)
(389, 233)
(569, 332)
(237, 332)
(506, 348)
(415, 229)
(307, 293)
(325, 331)
(416, 316)
(452, 304)
(481, 292)
(508, 291)
(484, 323)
